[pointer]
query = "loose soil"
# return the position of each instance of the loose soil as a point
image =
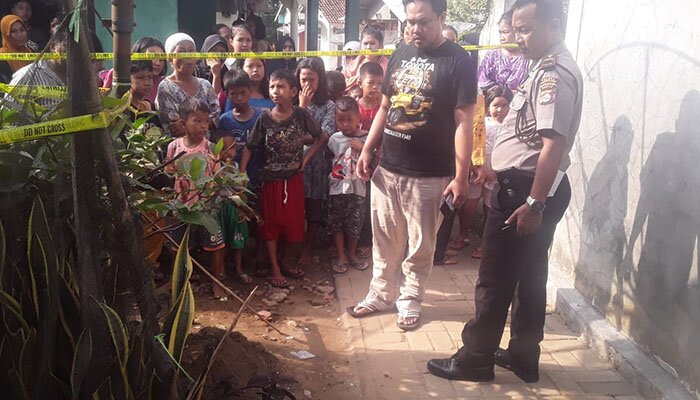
(255, 354)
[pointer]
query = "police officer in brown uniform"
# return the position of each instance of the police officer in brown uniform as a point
(530, 157)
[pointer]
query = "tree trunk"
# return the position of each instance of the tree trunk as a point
(82, 99)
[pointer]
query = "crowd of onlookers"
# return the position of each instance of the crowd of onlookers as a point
(295, 129)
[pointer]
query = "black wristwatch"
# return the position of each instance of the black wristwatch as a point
(535, 205)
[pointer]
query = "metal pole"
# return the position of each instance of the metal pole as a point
(352, 20)
(122, 27)
(312, 25)
(294, 23)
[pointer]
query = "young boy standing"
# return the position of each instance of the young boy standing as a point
(371, 77)
(279, 133)
(346, 206)
(238, 122)
(195, 115)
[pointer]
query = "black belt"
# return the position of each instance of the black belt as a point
(514, 187)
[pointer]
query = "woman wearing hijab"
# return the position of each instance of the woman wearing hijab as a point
(182, 85)
(14, 40)
(286, 44)
(213, 69)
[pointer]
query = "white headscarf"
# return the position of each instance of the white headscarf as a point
(176, 38)
(352, 45)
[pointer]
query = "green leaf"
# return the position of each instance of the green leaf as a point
(9, 303)
(118, 333)
(219, 147)
(197, 167)
(199, 218)
(74, 25)
(81, 362)
(182, 268)
(183, 315)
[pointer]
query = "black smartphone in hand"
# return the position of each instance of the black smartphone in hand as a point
(448, 206)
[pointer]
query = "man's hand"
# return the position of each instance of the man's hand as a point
(480, 175)
(526, 219)
(215, 66)
(458, 188)
(363, 166)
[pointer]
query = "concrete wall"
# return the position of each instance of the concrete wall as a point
(153, 18)
(629, 241)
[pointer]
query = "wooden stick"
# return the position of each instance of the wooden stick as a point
(218, 282)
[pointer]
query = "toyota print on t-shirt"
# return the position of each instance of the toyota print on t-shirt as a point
(411, 106)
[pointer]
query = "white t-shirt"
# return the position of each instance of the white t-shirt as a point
(343, 178)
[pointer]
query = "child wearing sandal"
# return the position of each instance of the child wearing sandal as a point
(280, 134)
(346, 205)
(234, 226)
(195, 116)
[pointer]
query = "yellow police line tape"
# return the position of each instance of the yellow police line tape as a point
(49, 92)
(248, 54)
(59, 127)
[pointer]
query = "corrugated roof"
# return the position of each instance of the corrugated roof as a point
(333, 10)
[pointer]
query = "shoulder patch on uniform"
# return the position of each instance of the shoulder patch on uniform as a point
(547, 89)
(548, 62)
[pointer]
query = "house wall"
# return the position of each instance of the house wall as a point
(629, 241)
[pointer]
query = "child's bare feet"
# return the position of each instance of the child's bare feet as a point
(219, 293)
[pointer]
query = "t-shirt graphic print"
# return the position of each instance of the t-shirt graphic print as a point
(411, 105)
(424, 87)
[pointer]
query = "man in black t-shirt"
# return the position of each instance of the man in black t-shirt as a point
(424, 130)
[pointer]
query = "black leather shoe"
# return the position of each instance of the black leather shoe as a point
(449, 368)
(502, 358)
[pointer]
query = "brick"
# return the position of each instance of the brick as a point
(387, 322)
(418, 341)
(507, 389)
(608, 388)
(467, 389)
(438, 388)
(595, 376)
(553, 346)
(567, 360)
(590, 360)
(386, 342)
(441, 341)
(544, 387)
(564, 382)
(370, 325)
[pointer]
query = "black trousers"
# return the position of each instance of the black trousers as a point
(513, 271)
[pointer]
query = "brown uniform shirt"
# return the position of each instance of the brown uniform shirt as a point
(550, 99)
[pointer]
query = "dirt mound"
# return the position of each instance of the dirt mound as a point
(238, 364)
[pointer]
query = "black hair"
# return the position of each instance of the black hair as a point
(507, 17)
(497, 91)
(218, 134)
(439, 6)
(336, 82)
(264, 83)
(140, 65)
(316, 65)
(236, 79)
(192, 105)
(451, 28)
(59, 40)
(141, 45)
(347, 104)
(238, 25)
(283, 74)
(374, 31)
(216, 28)
(279, 45)
(545, 10)
(371, 68)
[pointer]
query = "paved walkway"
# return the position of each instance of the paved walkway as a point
(390, 363)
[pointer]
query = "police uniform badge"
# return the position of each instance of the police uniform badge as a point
(547, 89)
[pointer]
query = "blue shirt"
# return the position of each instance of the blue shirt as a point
(258, 104)
(240, 130)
